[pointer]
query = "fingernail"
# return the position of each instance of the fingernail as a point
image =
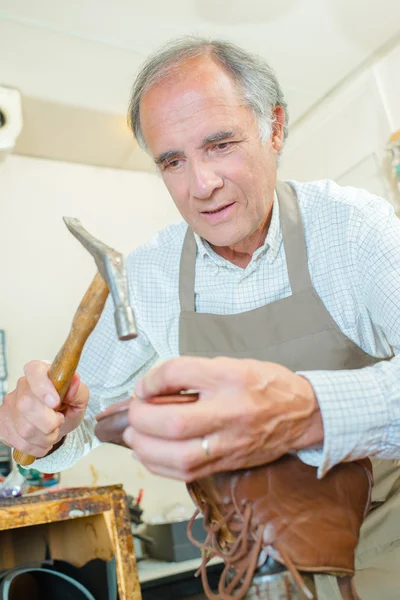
(126, 435)
(139, 388)
(50, 401)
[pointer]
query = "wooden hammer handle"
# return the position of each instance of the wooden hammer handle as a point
(66, 361)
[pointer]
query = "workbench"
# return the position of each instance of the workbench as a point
(75, 525)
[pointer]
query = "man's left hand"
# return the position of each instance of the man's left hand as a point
(248, 413)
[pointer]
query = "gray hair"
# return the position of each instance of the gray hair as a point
(255, 79)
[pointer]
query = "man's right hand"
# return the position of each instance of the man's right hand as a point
(28, 419)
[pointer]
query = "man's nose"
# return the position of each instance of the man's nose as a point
(203, 180)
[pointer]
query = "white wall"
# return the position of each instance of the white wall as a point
(345, 137)
(45, 272)
(387, 74)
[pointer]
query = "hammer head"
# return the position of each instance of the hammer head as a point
(110, 264)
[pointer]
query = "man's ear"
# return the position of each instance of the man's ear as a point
(278, 120)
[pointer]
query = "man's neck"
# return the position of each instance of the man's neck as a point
(240, 254)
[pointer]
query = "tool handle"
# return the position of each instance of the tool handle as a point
(66, 361)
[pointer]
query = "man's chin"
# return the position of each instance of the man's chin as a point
(222, 235)
(221, 241)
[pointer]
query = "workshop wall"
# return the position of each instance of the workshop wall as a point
(345, 137)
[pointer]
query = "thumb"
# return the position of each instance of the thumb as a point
(73, 389)
(77, 396)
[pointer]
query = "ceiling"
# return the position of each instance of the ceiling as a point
(86, 52)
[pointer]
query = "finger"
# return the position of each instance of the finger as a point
(29, 433)
(78, 400)
(183, 455)
(188, 455)
(182, 373)
(32, 411)
(46, 423)
(177, 421)
(39, 430)
(36, 373)
(184, 460)
(38, 451)
(167, 460)
(73, 388)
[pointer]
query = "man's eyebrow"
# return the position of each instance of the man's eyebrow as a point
(218, 137)
(168, 155)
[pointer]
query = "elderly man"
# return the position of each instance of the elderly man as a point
(292, 289)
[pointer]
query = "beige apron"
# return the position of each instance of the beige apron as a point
(299, 333)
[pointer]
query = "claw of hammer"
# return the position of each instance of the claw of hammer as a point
(110, 264)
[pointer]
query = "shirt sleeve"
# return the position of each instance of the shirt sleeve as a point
(361, 408)
(109, 367)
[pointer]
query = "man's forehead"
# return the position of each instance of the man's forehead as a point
(196, 130)
(195, 85)
(194, 112)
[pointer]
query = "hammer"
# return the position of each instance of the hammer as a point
(111, 277)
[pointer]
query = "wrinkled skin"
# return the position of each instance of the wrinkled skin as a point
(252, 412)
(28, 421)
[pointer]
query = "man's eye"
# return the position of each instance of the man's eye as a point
(222, 145)
(172, 164)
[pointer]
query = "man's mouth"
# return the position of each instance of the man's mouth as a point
(216, 210)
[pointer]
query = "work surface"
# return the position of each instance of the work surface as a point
(176, 580)
(151, 569)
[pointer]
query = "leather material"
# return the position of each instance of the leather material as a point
(313, 522)
(282, 510)
(112, 423)
(111, 426)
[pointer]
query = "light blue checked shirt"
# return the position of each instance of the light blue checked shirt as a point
(353, 245)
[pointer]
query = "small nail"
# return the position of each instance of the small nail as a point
(50, 401)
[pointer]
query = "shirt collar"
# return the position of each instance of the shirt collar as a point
(271, 244)
(274, 235)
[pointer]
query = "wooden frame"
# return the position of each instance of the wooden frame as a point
(76, 525)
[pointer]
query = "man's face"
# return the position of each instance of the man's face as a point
(206, 144)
